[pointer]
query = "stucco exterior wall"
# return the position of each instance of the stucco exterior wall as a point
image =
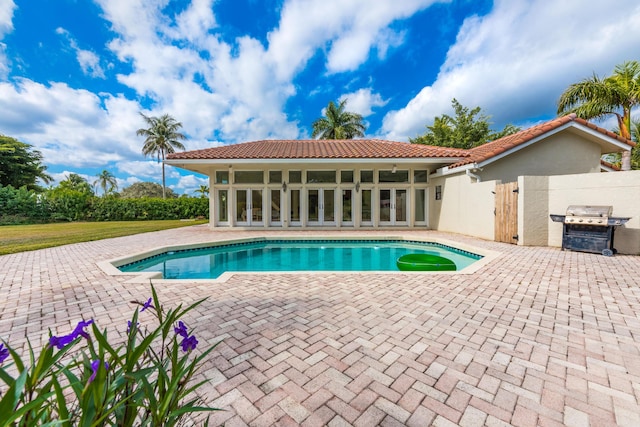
(560, 154)
(618, 189)
(533, 207)
(466, 207)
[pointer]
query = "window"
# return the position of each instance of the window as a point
(420, 176)
(438, 192)
(222, 206)
(321, 177)
(390, 176)
(366, 177)
(222, 177)
(346, 176)
(248, 177)
(275, 177)
(295, 177)
(420, 203)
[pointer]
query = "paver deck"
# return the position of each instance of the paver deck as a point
(536, 337)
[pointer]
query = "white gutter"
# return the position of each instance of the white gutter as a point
(472, 175)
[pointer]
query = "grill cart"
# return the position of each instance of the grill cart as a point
(589, 228)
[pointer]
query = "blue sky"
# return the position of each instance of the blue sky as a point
(75, 74)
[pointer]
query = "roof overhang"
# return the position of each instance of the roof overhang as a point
(607, 145)
(207, 166)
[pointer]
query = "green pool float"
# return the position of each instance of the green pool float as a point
(425, 262)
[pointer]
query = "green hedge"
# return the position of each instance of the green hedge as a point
(20, 206)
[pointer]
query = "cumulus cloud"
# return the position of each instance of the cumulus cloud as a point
(188, 184)
(363, 101)
(523, 54)
(69, 126)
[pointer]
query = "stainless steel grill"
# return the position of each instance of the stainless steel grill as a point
(589, 228)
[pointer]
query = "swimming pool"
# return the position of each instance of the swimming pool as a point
(291, 255)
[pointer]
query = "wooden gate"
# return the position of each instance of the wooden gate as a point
(506, 211)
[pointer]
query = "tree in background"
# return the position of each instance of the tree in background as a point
(161, 138)
(597, 98)
(20, 165)
(338, 123)
(107, 181)
(203, 191)
(467, 129)
(75, 182)
(146, 189)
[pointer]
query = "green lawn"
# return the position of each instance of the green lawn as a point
(19, 238)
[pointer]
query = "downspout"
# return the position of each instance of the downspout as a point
(474, 176)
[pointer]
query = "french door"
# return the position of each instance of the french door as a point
(393, 206)
(321, 206)
(249, 211)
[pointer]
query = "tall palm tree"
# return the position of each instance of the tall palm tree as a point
(107, 181)
(338, 123)
(162, 137)
(596, 97)
(203, 191)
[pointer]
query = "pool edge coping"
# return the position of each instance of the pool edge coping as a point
(110, 267)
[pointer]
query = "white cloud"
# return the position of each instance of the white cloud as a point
(7, 8)
(189, 183)
(363, 101)
(70, 126)
(89, 61)
(523, 54)
(146, 169)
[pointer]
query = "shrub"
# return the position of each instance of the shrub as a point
(145, 381)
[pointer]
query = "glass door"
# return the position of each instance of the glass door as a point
(366, 218)
(393, 206)
(249, 207)
(347, 207)
(295, 208)
(276, 203)
(321, 206)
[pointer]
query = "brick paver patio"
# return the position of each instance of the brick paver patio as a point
(536, 337)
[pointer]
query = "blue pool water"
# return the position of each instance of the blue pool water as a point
(292, 255)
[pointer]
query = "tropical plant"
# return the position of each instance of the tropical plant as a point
(21, 165)
(596, 98)
(146, 189)
(107, 181)
(467, 129)
(147, 380)
(338, 123)
(203, 191)
(161, 138)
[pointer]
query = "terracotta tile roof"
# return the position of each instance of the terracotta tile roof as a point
(609, 165)
(499, 146)
(321, 149)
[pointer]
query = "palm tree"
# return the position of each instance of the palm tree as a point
(338, 124)
(162, 137)
(596, 97)
(203, 191)
(107, 181)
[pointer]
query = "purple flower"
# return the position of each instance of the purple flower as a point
(4, 353)
(146, 305)
(181, 329)
(189, 343)
(129, 325)
(94, 367)
(79, 331)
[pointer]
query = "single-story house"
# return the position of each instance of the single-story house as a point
(352, 184)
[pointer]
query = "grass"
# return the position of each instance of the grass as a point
(20, 238)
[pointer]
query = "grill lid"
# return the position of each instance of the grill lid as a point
(590, 211)
(588, 215)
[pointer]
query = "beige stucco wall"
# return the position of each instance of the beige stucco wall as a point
(563, 153)
(466, 207)
(541, 196)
